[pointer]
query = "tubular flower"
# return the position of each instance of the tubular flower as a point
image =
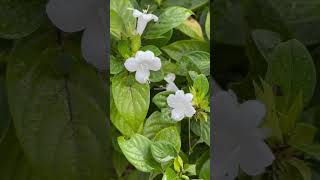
(181, 105)
(171, 86)
(142, 63)
(143, 19)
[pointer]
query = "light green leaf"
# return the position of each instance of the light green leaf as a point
(163, 151)
(198, 61)
(171, 135)
(124, 48)
(291, 68)
(303, 134)
(190, 169)
(154, 124)
(131, 99)
(116, 66)
(170, 174)
(138, 153)
(116, 25)
(302, 167)
(169, 19)
(20, 18)
(205, 171)
(121, 7)
(179, 48)
(58, 106)
(207, 25)
(201, 85)
(160, 99)
(191, 28)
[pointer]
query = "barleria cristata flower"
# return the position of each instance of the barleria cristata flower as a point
(143, 19)
(142, 63)
(181, 105)
(171, 86)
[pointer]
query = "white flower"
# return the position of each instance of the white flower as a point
(143, 19)
(89, 16)
(171, 86)
(181, 105)
(239, 142)
(142, 63)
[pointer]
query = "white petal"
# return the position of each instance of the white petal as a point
(180, 93)
(255, 157)
(155, 18)
(71, 15)
(172, 100)
(177, 114)
(170, 77)
(131, 64)
(145, 55)
(149, 17)
(141, 25)
(136, 13)
(189, 111)
(155, 64)
(142, 75)
(172, 87)
(94, 44)
(188, 97)
(252, 113)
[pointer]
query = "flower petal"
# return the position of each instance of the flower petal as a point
(94, 44)
(170, 77)
(155, 64)
(172, 100)
(141, 25)
(188, 97)
(252, 113)
(142, 75)
(255, 157)
(172, 87)
(131, 64)
(177, 114)
(71, 15)
(136, 13)
(189, 111)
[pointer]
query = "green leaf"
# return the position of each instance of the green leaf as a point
(202, 129)
(170, 174)
(302, 167)
(163, 151)
(171, 17)
(124, 48)
(116, 25)
(14, 164)
(59, 114)
(20, 18)
(120, 163)
(179, 48)
(138, 153)
(153, 48)
(310, 149)
(303, 134)
(131, 99)
(171, 135)
(288, 121)
(265, 94)
(116, 66)
(201, 85)
(198, 61)
(160, 99)
(159, 41)
(138, 175)
(291, 68)
(154, 124)
(5, 120)
(189, 4)
(190, 169)
(207, 25)
(121, 8)
(205, 171)
(265, 41)
(191, 28)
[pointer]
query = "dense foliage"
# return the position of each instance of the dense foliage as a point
(269, 50)
(147, 137)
